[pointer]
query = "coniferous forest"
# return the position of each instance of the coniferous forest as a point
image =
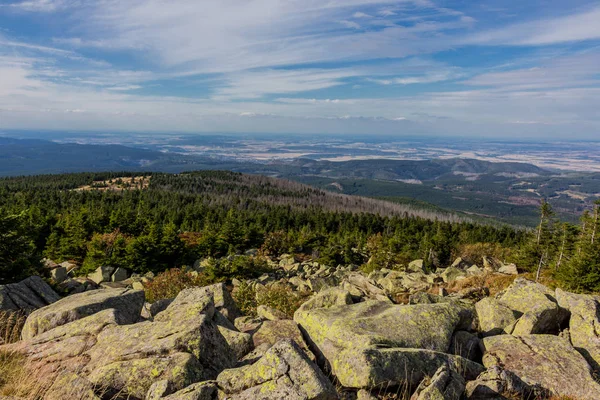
(155, 222)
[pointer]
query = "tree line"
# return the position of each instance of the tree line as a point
(179, 218)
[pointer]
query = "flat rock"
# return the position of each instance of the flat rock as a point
(369, 343)
(128, 304)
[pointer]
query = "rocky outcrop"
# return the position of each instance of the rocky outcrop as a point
(584, 324)
(284, 372)
(536, 308)
(538, 365)
(373, 343)
(128, 304)
(28, 295)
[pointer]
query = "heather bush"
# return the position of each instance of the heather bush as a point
(169, 283)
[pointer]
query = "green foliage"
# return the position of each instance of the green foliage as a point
(240, 267)
(278, 296)
(169, 283)
(18, 257)
(180, 218)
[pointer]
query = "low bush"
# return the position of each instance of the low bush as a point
(169, 283)
(278, 296)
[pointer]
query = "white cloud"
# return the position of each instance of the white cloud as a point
(569, 28)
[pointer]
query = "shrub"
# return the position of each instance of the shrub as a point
(169, 283)
(245, 298)
(278, 296)
(240, 267)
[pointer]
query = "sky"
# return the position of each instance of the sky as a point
(489, 68)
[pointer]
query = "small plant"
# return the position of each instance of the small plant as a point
(245, 298)
(168, 284)
(282, 298)
(278, 296)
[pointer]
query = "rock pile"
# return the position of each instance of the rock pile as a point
(351, 340)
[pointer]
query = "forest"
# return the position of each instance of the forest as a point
(153, 222)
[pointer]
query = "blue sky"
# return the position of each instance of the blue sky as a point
(502, 68)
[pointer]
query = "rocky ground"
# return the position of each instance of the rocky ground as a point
(403, 334)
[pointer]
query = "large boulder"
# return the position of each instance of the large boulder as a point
(535, 307)
(541, 365)
(28, 295)
(584, 324)
(284, 372)
(222, 300)
(493, 316)
(373, 343)
(184, 327)
(128, 304)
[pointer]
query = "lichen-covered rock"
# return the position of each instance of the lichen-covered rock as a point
(198, 391)
(453, 274)
(247, 324)
(584, 324)
(29, 294)
(327, 298)
(134, 377)
(284, 372)
(222, 300)
(128, 304)
(186, 326)
(446, 384)
(543, 364)
(240, 343)
(493, 316)
(271, 332)
(415, 266)
(495, 382)
(369, 343)
(536, 308)
(63, 347)
(270, 313)
(508, 269)
(68, 385)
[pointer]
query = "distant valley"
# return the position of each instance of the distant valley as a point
(507, 191)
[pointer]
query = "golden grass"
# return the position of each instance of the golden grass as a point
(11, 325)
(494, 282)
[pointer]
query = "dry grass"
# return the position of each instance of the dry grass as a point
(495, 282)
(278, 296)
(11, 325)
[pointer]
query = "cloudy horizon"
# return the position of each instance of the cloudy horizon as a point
(407, 67)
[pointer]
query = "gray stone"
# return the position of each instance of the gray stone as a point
(284, 372)
(493, 316)
(29, 294)
(446, 384)
(127, 302)
(59, 274)
(372, 343)
(119, 275)
(101, 274)
(541, 364)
